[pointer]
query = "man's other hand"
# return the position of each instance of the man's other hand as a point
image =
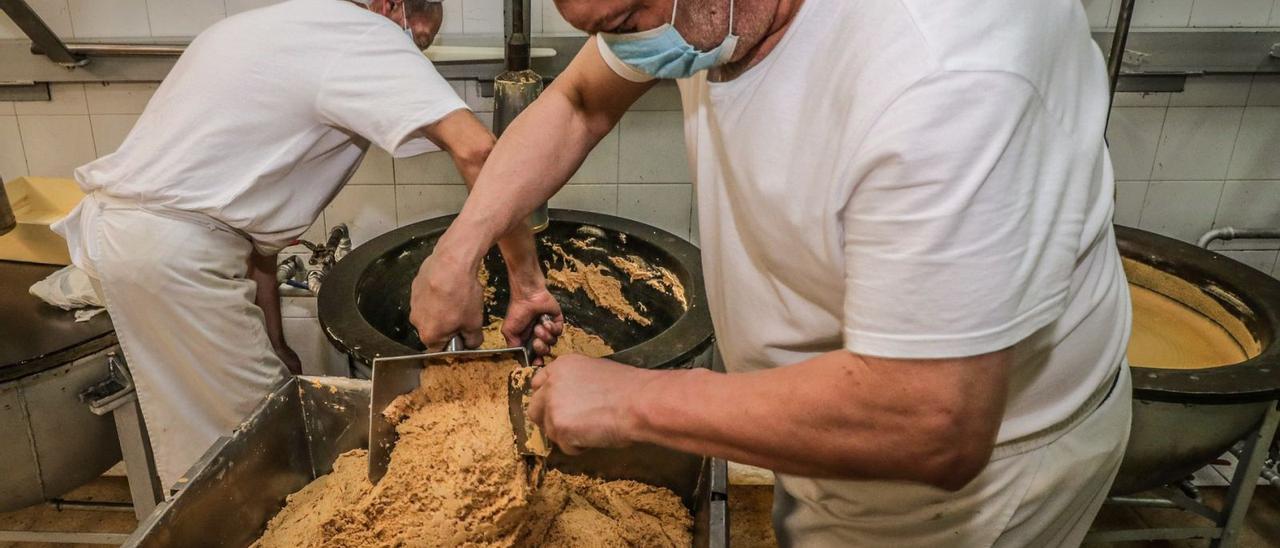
(446, 300)
(524, 320)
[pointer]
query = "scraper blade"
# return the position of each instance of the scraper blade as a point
(396, 376)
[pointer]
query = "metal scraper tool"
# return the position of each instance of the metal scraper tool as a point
(396, 376)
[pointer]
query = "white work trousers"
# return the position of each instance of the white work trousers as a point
(1039, 493)
(184, 313)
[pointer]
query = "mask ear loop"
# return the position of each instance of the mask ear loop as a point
(674, 6)
(731, 18)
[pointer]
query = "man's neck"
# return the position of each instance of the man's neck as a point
(784, 12)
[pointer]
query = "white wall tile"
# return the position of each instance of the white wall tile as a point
(1263, 260)
(368, 211)
(1196, 143)
(596, 198)
(184, 17)
(452, 17)
(666, 206)
(432, 168)
(482, 17)
(64, 99)
(652, 148)
(109, 18)
(601, 165)
(1230, 13)
(1255, 152)
(118, 98)
(1130, 196)
(1249, 204)
(1161, 13)
(376, 169)
(10, 31)
(1136, 99)
(471, 94)
(55, 14)
(1133, 136)
(1214, 91)
(1265, 91)
(1274, 20)
(318, 357)
(554, 23)
(421, 202)
(109, 131)
(664, 95)
(237, 6)
(13, 160)
(1181, 209)
(56, 145)
(1098, 12)
(535, 15)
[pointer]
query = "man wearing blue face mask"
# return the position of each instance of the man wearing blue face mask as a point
(905, 213)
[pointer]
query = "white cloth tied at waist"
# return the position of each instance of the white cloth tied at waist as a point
(77, 223)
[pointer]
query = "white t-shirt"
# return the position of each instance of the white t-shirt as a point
(269, 112)
(916, 179)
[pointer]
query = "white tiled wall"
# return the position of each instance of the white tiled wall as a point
(1201, 159)
(1185, 162)
(180, 18)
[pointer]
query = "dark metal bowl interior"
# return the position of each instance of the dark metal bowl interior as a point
(364, 302)
(1247, 294)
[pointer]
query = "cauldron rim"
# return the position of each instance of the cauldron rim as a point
(346, 327)
(1253, 380)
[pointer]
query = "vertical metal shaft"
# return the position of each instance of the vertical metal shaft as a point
(517, 87)
(1118, 40)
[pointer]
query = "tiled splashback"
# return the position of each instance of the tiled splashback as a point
(183, 18)
(1185, 162)
(637, 171)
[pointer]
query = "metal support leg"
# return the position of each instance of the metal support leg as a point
(1245, 480)
(144, 486)
(117, 396)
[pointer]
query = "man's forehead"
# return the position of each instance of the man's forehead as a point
(593, 15)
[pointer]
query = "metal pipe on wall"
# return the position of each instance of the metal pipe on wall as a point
(1233, 233)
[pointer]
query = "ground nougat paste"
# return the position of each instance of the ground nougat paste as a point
(455, 480)
(1170, 335)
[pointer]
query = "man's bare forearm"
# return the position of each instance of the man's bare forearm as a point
(837, 415)
(262, 270)
(524, 170)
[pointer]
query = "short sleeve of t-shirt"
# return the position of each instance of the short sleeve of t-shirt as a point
(956, 243)
(384, 89)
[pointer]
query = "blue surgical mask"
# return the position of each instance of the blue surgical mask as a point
(663, 53)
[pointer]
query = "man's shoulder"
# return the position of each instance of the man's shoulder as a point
(327, 17)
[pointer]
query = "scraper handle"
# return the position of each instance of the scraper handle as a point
(455, 344)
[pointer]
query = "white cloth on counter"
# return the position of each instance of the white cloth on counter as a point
(68, 288)
(269, 112)
(184, 312)
(893, 183)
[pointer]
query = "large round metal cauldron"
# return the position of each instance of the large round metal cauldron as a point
(50, 442)
(1185, 418)
(364, 302)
